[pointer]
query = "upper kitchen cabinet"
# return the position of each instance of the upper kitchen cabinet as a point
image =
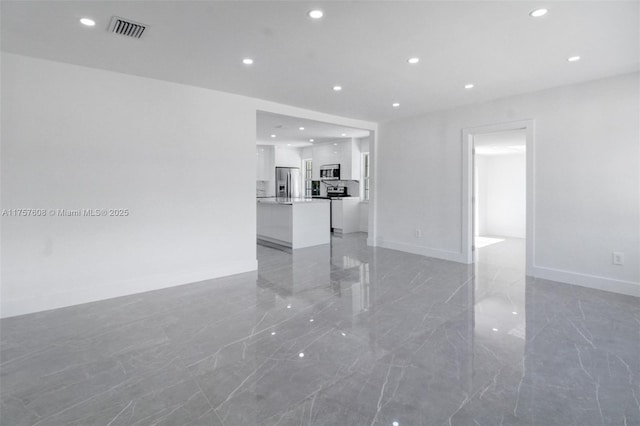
(265, 162)
(343, 152)
(288, 157)
(268, 157)
(326, 153)
(350, 165)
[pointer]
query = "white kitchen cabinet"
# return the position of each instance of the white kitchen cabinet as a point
(350, 166)
(343, 152)
(345, 215)
(323, 154)
(336, 215)
(269, 157)
(288, 157)
(265, 162)
(294, 225)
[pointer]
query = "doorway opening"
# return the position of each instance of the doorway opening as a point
(498, 194)
(500, 198)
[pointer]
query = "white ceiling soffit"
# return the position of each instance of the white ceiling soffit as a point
(500, 143)
(287, 131)
(362, 46)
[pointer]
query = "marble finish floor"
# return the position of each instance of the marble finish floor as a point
(334, 335)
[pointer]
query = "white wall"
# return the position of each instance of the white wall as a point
(501, 195)
(479, 181)
(586, 179)
(364, 217)
(306, 152)
(365, 144)
(76, 137)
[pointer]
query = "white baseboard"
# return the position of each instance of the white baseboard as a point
(453, 256)
(76, 296)
(568, 277)
(269, 240)
(629, 288)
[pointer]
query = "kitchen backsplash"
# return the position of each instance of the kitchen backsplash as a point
(353, 187)
(266, 188)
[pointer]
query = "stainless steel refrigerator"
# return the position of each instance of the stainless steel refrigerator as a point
(288, 183)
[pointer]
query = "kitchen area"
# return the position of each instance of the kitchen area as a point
(312, 181)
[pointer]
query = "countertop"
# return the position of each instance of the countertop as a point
(290, 201)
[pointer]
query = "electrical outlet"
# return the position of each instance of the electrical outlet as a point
(418, 233)
(618, 258)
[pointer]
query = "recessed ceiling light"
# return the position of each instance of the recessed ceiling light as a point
(514, 313)
(337, 88)
(343, 134)
(273, 333)
(301, 354)
(316, 14)
(247, 61)
(494, 329)
(88, 22)
(413, 60)
(273, 136)
(573, 58)
(538, 13)
(288, 144)
(335, 144)
(468, 86)
(300, 128)
(395, 104)
(310, 140)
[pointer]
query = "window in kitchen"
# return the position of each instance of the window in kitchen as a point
(365, 176)
(307, 171)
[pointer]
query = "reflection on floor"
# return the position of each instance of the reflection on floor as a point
(487, 241)
(342, 334)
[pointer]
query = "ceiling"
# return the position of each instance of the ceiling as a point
(500, 143)
(287, 131)
(362, 46)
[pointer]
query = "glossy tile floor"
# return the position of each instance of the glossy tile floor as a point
(340, 335)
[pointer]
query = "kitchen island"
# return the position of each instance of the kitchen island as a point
(293, 223)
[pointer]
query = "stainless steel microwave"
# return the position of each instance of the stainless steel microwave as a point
(330, 172)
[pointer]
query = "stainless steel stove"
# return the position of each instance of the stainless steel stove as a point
(337, 191)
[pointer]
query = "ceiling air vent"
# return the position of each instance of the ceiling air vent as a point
(126, 27)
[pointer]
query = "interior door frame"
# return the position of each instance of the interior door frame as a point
(468, 167)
